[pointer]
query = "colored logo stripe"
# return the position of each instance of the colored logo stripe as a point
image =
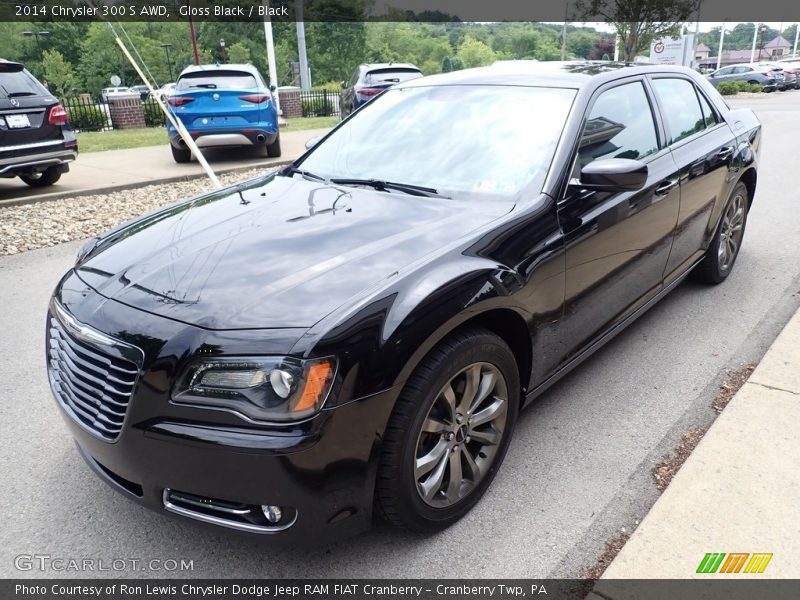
(758, 562)
(713, 562)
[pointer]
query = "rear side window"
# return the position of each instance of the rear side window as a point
(620, 125)
(391, 75)
(708, 114)
(16, 83)
(681, 107)
(217, 80)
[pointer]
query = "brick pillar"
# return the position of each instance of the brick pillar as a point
(291, 102)
(126, 112)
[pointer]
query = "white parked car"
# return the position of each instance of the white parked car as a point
(111, 92)
(166, 90)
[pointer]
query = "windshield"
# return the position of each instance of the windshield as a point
(461, 140)
(217, 80)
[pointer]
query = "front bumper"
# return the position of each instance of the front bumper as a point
(320, 472)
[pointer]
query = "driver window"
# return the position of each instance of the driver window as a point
(619, 125)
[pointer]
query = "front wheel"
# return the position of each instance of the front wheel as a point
(721, 255)
(449, 432)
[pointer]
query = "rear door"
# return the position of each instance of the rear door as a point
(24, 108)
(702, 145)
(617, 243)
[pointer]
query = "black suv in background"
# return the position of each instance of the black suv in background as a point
(36, 141)
(370, 80)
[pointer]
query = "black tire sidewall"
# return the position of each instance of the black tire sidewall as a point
(484, 347)
(718, 273)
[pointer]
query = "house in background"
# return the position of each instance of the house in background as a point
(701, 52)
(775, 49)
(778, 48)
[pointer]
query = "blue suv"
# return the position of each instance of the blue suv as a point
(224, 105)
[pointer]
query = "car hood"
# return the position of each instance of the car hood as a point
(272, 253)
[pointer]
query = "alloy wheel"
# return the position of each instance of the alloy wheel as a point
(461, 435)
(731, 232)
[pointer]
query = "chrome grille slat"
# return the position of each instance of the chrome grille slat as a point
(76, 358)
(91, 379)
(94, 354)
(93, 386)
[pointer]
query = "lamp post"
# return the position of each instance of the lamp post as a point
(37, 35)
(760, 27)
(222, 58)
(166, 48)
(721, 40)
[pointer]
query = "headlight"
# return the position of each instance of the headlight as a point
(263, 388)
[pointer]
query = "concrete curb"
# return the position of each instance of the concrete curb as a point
(739, 490)
(129, 186)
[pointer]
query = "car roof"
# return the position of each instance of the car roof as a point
(568, 74)
(219, 67)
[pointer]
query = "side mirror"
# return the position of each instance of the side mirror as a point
(614, 175)
(313, 142)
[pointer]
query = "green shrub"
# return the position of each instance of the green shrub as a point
(330, 86)
(318, 107)
(728, 88)
(153, 115)
(755, 87)
(86, 117)
(741, 86)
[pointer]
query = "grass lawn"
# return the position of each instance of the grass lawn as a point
(119, 139)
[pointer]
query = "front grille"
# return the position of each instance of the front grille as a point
(89, 375)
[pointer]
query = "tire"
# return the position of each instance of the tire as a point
(274, 149)
(720, 257)
(181, 155)
(449, 442)
(45, 178)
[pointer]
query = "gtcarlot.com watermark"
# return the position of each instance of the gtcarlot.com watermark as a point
(61, 564)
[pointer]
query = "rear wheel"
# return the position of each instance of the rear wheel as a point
(43, 179)
(181, 155)
(274, 149)
(721, 255)
(449, 432)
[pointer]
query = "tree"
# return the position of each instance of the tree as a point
(238, 53)
(447, 66)
(59, 73)
(474, 53)
(637, 22)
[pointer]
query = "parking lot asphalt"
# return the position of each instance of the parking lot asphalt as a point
(577, 472)
(96, 172)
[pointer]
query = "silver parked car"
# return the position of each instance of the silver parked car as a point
(771, 78)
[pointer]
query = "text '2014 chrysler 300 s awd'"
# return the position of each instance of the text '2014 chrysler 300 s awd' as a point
(362, 328)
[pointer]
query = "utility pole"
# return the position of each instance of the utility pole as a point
(273, 69)
(564, 34)
(721, 40)
(796, 36)
(192, 34)
(755, 40)
(305, 84)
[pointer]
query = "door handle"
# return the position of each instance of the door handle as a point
(725, 153)
(665, 187)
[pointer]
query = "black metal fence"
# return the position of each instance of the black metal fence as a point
(88, 112)
(320, 103)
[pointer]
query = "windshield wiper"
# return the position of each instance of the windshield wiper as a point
(205, 86)
(382, 186)
(290, 170)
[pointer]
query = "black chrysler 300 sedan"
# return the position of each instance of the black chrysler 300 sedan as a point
(362, 328)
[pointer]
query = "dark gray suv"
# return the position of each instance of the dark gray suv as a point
(36, 142)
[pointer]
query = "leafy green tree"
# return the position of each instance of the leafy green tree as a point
(474, 53)
(638, 22)
(60, 75)
(447, 66)
(238, 53)
(524, 44)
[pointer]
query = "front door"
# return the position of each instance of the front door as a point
(617, 244)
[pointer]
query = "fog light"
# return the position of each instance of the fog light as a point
(273, 513)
